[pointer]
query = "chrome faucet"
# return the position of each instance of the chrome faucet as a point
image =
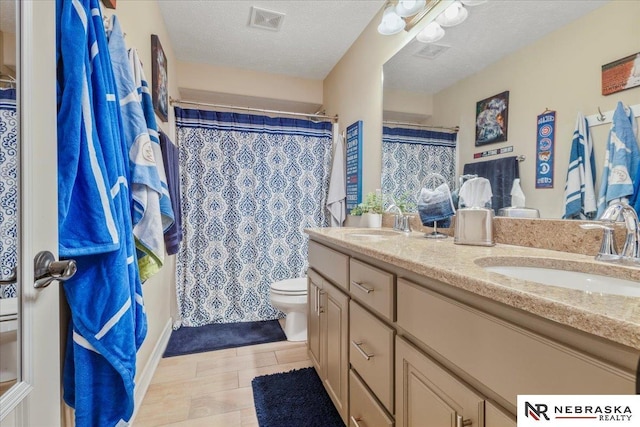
(631, 249)
(401, 222)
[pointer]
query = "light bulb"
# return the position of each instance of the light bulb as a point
(407, 8)
(452, 11)
(431, 33)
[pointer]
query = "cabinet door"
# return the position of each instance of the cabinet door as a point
(495, 417)
(314, 287)
(334, 307)
(428, 396)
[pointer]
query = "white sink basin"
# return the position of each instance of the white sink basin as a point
(591, 283)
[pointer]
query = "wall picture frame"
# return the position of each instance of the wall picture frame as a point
(621, 74)
(160, 79)
(492, 118)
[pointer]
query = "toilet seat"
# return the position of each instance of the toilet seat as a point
(293, 287)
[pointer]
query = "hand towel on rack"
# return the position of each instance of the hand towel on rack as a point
(337, 197)
(436, 206)
(500, 173)
(621, 159)
(579, 190)
(146, 188)
(108, 323)
(147, 265)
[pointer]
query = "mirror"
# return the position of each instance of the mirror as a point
(547, 54)
(9, 202)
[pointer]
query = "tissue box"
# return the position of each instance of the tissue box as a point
(474, 226)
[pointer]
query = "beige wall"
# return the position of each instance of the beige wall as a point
(353, 90)
(140, 19)
(567, 80)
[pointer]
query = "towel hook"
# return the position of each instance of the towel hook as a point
(601, 117)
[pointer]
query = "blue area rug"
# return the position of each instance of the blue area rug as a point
(294, 399)
(188, 340)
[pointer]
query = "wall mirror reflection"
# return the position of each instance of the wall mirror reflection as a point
(547, 54)
(9, 202)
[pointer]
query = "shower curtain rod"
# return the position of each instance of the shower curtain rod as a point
(453, 129)
(261, 110)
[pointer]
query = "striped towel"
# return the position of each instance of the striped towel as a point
(108, 322)
(337, 196)
(146, 188)
(579, 190)
(621, 160)
(148, 265)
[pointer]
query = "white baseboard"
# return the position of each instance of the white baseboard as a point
(150, 368)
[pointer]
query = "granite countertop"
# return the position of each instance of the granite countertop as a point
(613, 317)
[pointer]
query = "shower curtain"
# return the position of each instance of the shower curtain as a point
(250, 186)
(410, 155)
(8, 189)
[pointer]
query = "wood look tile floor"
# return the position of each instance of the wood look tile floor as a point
(214, 389)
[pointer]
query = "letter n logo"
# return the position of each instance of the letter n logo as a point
(536, 411)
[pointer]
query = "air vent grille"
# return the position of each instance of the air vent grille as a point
(431, 50)
(266, 19)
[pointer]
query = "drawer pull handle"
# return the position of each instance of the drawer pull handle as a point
(461, 422)
(355, 420)
(358, 347)
(362, 287)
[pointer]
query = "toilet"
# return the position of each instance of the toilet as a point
(290, 297)
(8, 339)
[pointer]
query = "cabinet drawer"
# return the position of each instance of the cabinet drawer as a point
(373, 287)
(364, 410)
(371, 352)
(494, 417)
(504, 357)
(331, 264)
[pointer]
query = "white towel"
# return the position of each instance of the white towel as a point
(337, 197)
(579, 191)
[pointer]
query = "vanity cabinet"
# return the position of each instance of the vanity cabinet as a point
(429, 396)
(328, 333)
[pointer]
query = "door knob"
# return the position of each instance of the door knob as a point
(47, 269)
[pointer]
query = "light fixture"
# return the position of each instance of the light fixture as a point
(453, 15)
(431, 33)
(391, 23)
(406, 8)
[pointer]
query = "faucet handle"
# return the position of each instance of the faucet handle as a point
(608, 250)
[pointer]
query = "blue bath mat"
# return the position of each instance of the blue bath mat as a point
(294, 399)
(188, 340)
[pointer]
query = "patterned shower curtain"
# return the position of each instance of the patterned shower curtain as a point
(8, 189)
(250, 186)
(409, 156)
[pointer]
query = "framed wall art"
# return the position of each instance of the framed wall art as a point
(492, 118)
(621, 74)
(160, 79)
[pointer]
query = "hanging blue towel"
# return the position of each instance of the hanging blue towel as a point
(146, 187)
(500, 173)
(171, 159)
(148, 265)
(621, 160)
(579, 190)
(108, 323)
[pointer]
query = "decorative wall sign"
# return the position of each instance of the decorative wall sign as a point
(354, 165)
(621, 74)
(492, 118)
(545, 141)
(160, 79)
(488, 153)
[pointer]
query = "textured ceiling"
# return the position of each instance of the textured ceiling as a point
(491, 31)
(313, 37)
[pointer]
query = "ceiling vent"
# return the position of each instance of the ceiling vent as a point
(266, 19)
(431, 50)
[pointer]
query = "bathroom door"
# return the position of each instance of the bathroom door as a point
(35, 399)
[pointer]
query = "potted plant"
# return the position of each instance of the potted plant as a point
(369, 211)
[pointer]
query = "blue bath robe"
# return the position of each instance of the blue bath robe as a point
(108, 322)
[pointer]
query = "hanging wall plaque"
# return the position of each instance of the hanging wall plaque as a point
(354, 165)
(545, 141)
